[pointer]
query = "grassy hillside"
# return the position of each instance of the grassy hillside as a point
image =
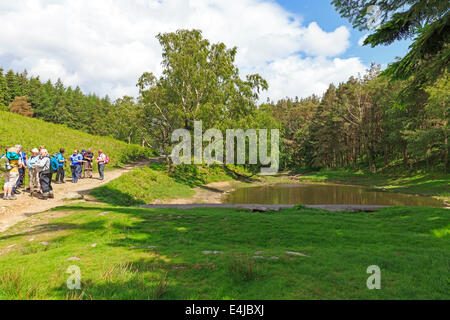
(135, 253)
(31, 133)
(144, 185)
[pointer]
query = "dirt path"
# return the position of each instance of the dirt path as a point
(12, 212)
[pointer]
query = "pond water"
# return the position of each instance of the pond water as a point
(325, 194)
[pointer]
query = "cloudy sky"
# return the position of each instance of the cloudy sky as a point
(299, 46)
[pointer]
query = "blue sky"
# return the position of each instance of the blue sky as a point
(324, 13)
(104, 46)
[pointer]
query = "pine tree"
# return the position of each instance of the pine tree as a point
(425, 21)
(3, 89)
(12, 85)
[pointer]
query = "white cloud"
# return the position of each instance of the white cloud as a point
(296, 76)
(362, 39)
(315, 41)
(105, 45)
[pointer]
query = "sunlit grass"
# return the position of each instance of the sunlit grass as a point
(155, 182)
(159, 254)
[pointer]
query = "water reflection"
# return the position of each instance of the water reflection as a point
(325, 194)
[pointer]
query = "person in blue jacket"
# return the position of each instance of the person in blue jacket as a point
(60, 173)
(76, 161)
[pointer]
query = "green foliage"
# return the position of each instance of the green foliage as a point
(124, 121)
(427, 21)
(195, 175)
(368, 123)
(157, 182)
(431, 138)
(71, 107)
(199, 82)
(141, 186)
(14, 284)
(299, 207)
(242, 269)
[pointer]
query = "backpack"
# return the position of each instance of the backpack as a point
(54, 163)
(4, 164)
(13, 156)
(106, 159)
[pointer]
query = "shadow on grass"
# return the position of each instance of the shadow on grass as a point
(192, 176)
(237, 176)
(52, 227)
(115, 197)
(132, 280)
(177, 268)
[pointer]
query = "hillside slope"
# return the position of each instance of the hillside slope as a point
(31, 133)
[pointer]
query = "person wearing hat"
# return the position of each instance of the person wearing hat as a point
(83, 169)
(43, 166)
(101, 161)
(76, 161)
(61, 161)
(12, 175)
(89, 158)
(22, 170)
(35, 186)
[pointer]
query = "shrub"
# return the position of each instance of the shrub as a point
(243, 269)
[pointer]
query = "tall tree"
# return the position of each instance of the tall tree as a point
(438, 112)
(124, 120)
(199, 82)
(3, 91)
(425, 21)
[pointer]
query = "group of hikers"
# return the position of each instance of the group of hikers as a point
(41, 165)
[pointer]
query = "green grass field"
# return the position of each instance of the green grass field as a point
(143, 185)
(134, 253)
(31, 133)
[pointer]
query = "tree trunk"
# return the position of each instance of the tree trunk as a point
(386, 156)
(405, 156)
(446, 164)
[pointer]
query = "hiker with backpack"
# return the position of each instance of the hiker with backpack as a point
(102, 161)
(60, 161)
(83, 164)
(10, 164)
(76, 160)
(43, 167)
(22, 170)
(89, 158)
(35, 186)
